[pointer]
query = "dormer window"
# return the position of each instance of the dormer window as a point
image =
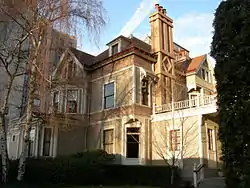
(114, 49)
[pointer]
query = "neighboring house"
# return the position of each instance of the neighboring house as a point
(146, 103)
(54, 45)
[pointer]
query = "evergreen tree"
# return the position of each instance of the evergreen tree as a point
(231, 50)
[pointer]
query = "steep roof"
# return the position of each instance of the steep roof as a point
(195, 63)
(84, 58)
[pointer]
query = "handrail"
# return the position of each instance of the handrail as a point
(197, 174)
(190, 103)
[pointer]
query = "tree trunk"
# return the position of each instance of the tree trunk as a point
(4, 152)
(28, 124)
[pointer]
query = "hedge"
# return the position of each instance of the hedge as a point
(89, 171)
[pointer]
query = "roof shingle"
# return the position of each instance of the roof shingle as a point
(195, 63)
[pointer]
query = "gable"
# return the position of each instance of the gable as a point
(195, 64)
(67, 61)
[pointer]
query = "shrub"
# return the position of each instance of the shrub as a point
(93, 168)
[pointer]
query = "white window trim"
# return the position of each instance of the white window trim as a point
(103, 88)
(114, 43)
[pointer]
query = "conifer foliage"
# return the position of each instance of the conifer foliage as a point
(231, 50)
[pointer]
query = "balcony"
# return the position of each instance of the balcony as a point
(207, 100)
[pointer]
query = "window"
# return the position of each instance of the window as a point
(175, 140)
(205, 75)
(109, 95)
(114, 49)
(71, 101)
(108, 140)
(210, 136)
(56, 101)
(145, 92)
(71, 69)
(46, 141)
(36, 102)
(13, 138)
(133, 142)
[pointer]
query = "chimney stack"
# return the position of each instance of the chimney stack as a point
(157, 7)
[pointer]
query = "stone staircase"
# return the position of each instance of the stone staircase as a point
(216, 182)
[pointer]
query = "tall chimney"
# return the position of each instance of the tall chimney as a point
(162, 47)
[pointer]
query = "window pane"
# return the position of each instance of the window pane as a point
(109, 89)
(133, 142)
(133, 130)
(71, 106)
(72, 95)
(132, 150)
(133, 138)
(114, 49)
(108, 136)
(46, 141)
(109, 102)
(56, 96)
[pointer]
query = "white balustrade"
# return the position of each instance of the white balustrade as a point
(191, 103)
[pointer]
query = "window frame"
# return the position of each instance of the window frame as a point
(77, 101)
(104, 97)
(112, 143)
(139, 142)
(173, 146)
(116, 45)
(50, 142)
(148, 90)
(210, 139)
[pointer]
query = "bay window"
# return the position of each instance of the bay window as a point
(68, 101)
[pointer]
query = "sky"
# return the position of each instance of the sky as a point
(192, 23)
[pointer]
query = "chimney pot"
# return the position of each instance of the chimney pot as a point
(160, 8)
(164, 11)
(157, 7)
